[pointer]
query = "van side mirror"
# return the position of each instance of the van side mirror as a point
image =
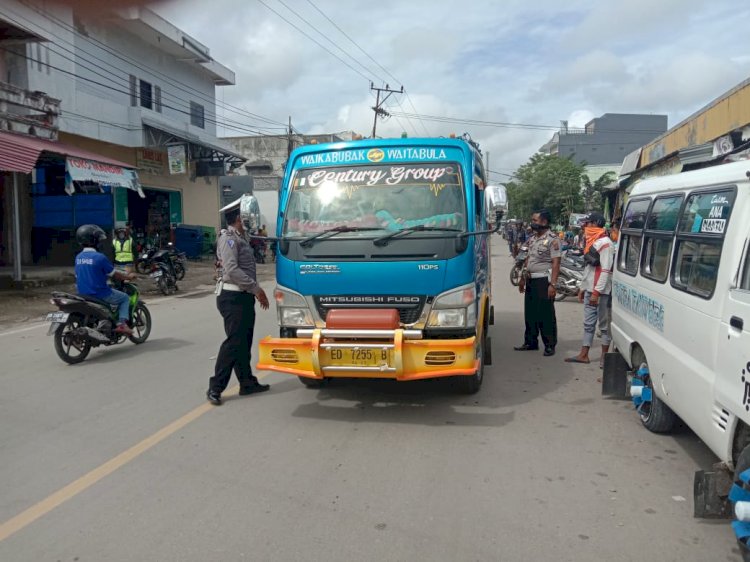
(250, 213)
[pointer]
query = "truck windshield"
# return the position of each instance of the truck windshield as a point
(387, 197)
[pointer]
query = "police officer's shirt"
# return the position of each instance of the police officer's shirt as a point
(542, 250)
(237, 261)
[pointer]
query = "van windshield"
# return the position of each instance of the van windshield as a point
(384, 197)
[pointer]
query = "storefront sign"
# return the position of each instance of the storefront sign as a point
(150, 160)
(177, 159)
(78, 169)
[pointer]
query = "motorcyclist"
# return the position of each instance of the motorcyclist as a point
(92, 269)
(123, 246)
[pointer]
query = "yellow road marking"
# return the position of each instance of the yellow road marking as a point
(49, 503)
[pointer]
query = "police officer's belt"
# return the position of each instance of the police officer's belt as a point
(232, 287)
(539, 275)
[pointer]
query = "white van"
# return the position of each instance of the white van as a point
(681, 306)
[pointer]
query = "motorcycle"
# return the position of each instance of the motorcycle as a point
(571, 275)
(163, 272)
(178, 259)
(84, 322)
(515, 272)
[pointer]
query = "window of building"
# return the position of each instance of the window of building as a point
(700, 237)
(147, 99)
(659, 237)
(133, 92)
(197, 118)
(157, 98)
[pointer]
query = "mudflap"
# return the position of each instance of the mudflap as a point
(615, 376)
(711, 493)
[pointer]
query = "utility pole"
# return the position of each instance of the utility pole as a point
(378, 107)
(289, 142)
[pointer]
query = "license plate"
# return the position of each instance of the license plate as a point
(359, 357)
(157, 274)
(57, 317)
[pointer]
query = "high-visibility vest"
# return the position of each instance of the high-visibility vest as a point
(123, 250)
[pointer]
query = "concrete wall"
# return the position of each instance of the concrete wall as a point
(92, 78)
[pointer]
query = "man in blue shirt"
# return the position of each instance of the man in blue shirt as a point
(93, 270)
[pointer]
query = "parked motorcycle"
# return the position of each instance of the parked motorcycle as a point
(571, 275)
(515, 272)
(163, 272)
(179, 261)
(83, 322)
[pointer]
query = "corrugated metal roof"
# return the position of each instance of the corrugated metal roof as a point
(697, 154)
(19, 153)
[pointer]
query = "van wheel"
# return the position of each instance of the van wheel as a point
(656, 416)
(741, 465)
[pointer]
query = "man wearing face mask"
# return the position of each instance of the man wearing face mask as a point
(541, 270)
(123, 245)
(596, 287)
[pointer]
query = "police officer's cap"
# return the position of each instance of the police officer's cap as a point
(232, 206)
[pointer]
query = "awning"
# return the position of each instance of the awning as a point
(199, 148)
(20, 153)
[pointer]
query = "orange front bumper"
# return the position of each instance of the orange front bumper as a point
(410, 359)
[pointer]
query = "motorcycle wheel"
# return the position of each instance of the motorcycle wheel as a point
(141, 324)
(163, 285)
(560, 296)
(141, 267)
(68, 348)
(515, 276)
(179, 271)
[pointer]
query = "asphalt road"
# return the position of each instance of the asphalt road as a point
(120, 458)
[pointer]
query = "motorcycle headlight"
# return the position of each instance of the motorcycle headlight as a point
(292, 308)
(454, 309)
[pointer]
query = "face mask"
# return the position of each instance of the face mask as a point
(538, 227)
(121, 236)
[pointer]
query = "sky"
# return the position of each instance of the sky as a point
(532, 62)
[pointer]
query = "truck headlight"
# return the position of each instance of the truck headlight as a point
(454, 309)
(292, 308)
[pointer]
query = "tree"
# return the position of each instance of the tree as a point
(592, 192)
(546, 182)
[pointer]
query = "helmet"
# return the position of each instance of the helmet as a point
(89, 235)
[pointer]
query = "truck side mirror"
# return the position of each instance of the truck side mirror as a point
(250, 213)
(496, 203)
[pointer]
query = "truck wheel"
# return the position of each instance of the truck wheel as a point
(656, 416)
(470, 384)
(312, 383)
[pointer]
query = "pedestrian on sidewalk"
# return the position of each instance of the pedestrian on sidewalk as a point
(596, 287)
(237, 289)
(538, 282)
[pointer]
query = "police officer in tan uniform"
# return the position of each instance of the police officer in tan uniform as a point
(541, 270)
(237, 290)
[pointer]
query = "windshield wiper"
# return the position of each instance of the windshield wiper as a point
(383, 240)
(307, 242)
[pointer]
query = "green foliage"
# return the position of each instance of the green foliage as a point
(547, 182)
(592, 191)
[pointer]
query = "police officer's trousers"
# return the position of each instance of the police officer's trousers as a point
(238, 311)
(539, 314)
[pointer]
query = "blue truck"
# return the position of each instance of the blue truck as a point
(383, 262)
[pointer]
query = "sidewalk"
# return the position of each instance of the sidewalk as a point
(31, 303)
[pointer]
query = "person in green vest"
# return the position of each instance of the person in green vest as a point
(123, 245)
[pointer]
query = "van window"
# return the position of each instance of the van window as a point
(635, 214)
(659, 236)
(629, 253)
(664, 214)
(696, 267)
(707, 213)
(700, 237)
(633, 222)
(745, 285)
